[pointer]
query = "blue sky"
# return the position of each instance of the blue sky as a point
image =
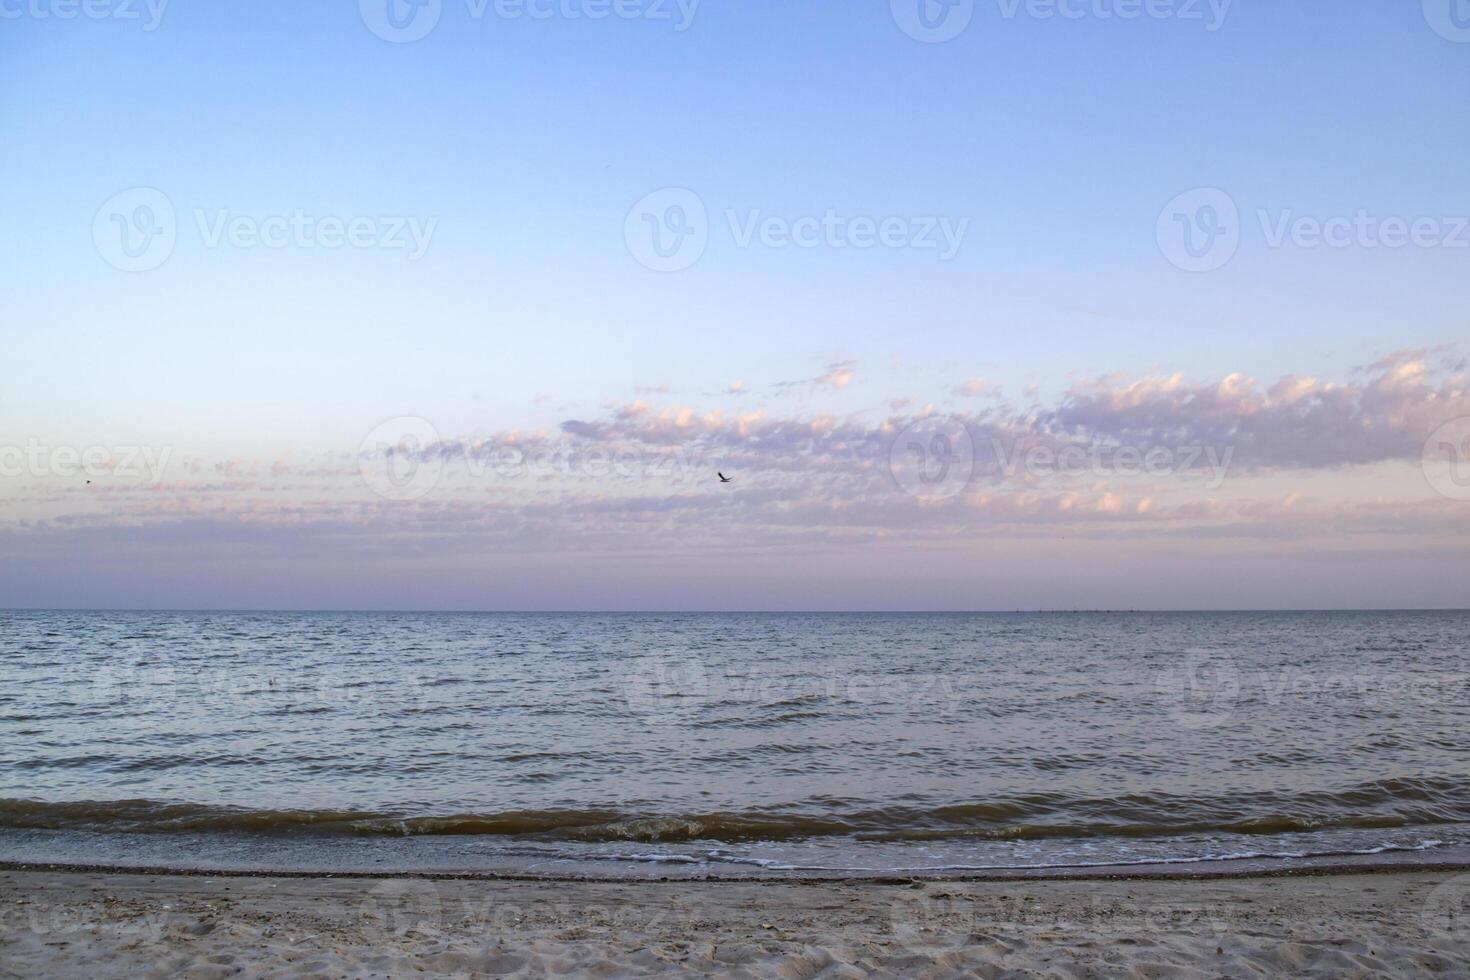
(526, 141)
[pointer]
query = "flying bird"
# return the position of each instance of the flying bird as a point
(723, 477)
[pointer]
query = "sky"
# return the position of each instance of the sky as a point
(461, 304)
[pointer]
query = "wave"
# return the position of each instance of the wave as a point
(1383, 804)
(1117, 861)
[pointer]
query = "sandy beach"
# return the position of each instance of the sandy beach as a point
(86, 924)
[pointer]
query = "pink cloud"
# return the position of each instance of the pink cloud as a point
(839, 375)
(640, 476)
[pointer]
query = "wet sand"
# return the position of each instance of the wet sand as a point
(86, 924)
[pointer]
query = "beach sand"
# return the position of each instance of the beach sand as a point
(91, 924)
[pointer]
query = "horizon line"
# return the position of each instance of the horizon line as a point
(740, 612)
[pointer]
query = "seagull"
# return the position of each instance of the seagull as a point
(723, 477)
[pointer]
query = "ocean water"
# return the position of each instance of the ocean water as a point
(625, 744)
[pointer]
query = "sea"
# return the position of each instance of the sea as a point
(745, 745)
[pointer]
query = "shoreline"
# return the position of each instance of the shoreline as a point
(1385, 921)
(1245, 869)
